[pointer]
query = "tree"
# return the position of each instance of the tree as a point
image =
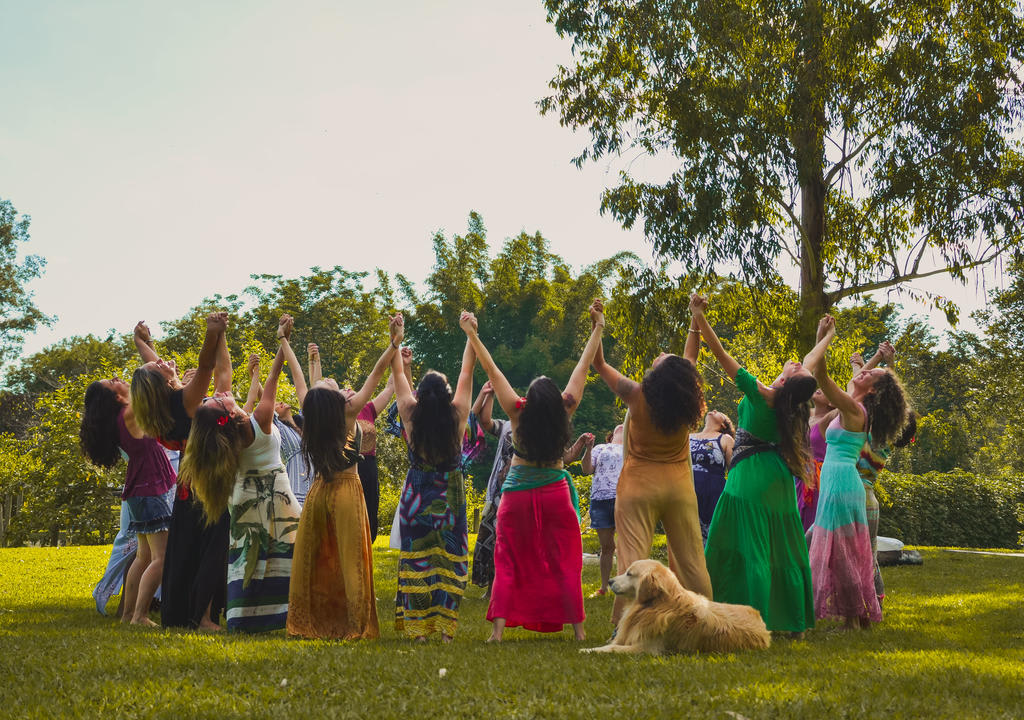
(18, 313)
(870, 143)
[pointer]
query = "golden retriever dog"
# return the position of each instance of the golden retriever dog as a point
(665, 617)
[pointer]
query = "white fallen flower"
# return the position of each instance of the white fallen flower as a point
(442, 672)
(284, 682)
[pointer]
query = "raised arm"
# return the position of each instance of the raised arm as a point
(815, 359)
(464, 387)
(362, 396)
(587, 461)
(698, 304)
(484, 406)
(255, 389)
(298, 379)
(692, 348)
(264, 412)
(222, 371)
(195, 390)
(573, 451)
(578, 379)
(144, 343)
(507, 397)
(852, 417)
(619, 383)
(384, 396)
(315, 372)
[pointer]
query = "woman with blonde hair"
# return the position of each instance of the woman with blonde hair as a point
(233, 462)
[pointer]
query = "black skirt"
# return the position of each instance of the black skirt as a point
(195, 566)
(368, 478)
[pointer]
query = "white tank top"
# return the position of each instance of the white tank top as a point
(265, 451)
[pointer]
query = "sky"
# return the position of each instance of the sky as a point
(167, 151)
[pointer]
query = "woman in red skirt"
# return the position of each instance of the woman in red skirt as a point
(538, 554)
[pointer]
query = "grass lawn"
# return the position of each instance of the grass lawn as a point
(951, 646)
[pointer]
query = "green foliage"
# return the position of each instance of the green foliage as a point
(949, 647)
(18, 312)
(952, 508)
(854, 139)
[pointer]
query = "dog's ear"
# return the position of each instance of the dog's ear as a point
(652, 584)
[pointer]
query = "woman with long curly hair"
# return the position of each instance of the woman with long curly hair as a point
(656, 482)
(433, 560)
(842, 561)
(109, 427)
(756, 552)
(538, 552)
(233, 462)
(331, 592)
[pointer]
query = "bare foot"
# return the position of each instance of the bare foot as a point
(421, 639)
(145, 622)
(494, 638)
(446, 638)
(208, 626)
(578, 630)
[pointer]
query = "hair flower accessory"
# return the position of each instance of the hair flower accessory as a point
(223, 420)
(520, 403)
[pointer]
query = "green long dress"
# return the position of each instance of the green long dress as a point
(756, 552)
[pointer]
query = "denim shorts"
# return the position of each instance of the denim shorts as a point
(602, 514)
(149, 514)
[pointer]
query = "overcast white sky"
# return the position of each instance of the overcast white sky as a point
(166, 151)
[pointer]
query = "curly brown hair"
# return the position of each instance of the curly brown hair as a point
(887, 409)
(674, 391)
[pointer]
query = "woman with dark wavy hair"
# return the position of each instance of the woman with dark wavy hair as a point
(331, 592)
(874, 411)
(656, 482)
(756, 552)
(538, 552)
(108, 427)
(433, 560)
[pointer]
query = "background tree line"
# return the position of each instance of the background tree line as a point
(532, 310)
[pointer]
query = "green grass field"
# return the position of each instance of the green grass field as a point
(951, 646)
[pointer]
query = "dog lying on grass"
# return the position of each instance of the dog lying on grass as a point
(664, 617)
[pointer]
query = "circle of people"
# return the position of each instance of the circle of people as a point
(269, 517)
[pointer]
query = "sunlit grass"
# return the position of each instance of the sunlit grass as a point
(952, 645)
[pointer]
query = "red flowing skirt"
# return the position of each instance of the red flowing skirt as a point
(538, 560)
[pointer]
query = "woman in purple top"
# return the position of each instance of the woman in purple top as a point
(109, 426)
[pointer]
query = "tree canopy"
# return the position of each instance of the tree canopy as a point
(868, 143)
(18, 312)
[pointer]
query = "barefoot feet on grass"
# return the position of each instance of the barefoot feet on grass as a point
(145, 622)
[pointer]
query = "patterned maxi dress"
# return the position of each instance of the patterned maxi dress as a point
(433, 562)
(708, 462)
(841, 559)
(264, 517)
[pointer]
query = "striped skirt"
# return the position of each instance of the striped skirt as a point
(433, 564)
(264, 519)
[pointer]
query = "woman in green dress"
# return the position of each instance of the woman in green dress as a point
(756, 553)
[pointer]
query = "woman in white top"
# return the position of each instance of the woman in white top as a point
(604, 462)
(233, 460)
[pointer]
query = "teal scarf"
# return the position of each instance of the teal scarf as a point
(528, 477)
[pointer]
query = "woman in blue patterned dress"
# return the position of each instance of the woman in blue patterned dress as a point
(710, 455)
(433, 562)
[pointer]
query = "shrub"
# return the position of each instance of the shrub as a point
(954, 508)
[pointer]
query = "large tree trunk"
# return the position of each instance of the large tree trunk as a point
(809, 146)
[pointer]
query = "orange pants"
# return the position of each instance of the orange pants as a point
(649, 492)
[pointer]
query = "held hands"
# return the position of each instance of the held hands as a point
(313, 352)
(142, 333)
(406, 356)
(217, 321)
(887, 351)
(856, 362)
(187, 377)
(254, 365)
(827, 327)
(396, 328)
(487, 389)
(468, 322)
(596, 313)
(284, 327)
(698, 304)
(588, 439)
